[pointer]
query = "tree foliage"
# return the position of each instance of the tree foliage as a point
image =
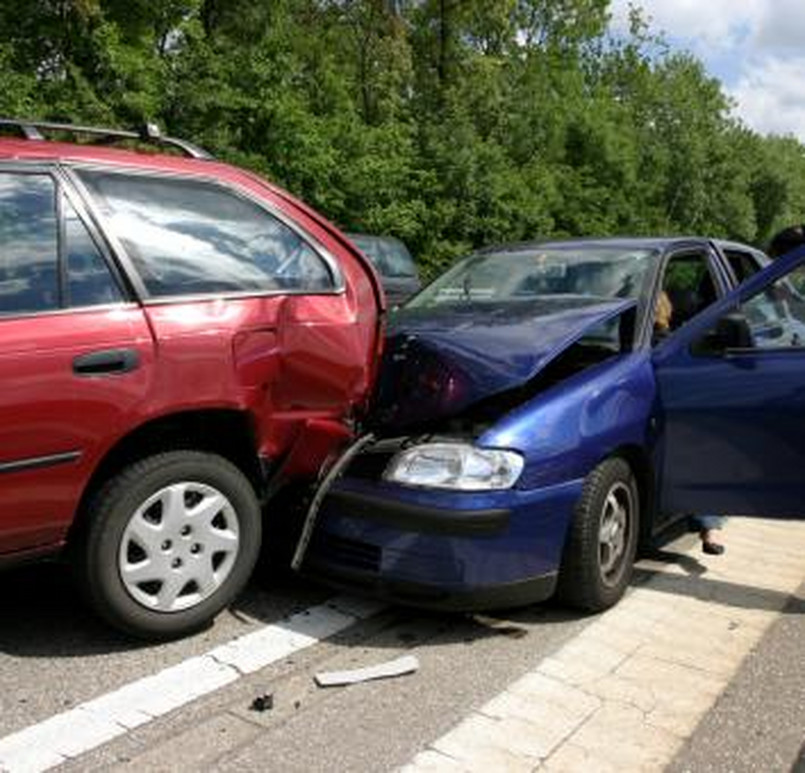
(448, 123)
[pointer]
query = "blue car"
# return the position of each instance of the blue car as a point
(545, 409)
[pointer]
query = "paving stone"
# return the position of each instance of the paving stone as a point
(541, 688)
(523, 737)
(577, 674)
(478, 743)
(619, 638)
(771, 578)
(665, 678)
(700, 657)
(616, 689)
(720, 650)
(661, 567)
(680, 718)
(431, 761)
(618, 735)
(594, 655)
(755, 617)
(628, 619)
(715, 620)
(574, 759)
(650, 603)
(548, 723)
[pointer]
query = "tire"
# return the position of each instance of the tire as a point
(171, 541)
(600, 549)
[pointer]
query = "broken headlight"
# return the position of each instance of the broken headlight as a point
(457, 466)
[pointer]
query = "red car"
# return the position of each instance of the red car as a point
(178, 340)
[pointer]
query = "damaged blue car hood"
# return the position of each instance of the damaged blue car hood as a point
(439, 361)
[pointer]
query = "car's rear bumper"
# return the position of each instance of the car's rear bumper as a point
(442, 549)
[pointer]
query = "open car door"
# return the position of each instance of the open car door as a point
(731, 392)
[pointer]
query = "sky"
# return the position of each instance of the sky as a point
(756, 48)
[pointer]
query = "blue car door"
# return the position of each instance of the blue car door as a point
(731, 401)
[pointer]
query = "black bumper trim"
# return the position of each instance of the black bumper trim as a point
(513, 594)
(428, 520)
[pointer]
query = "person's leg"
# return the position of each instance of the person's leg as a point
(707, 524)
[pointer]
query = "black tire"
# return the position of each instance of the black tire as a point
(594, 574)
(158, 497)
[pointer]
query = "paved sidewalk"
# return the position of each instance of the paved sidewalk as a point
(627, 692)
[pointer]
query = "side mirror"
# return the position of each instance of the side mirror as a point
(732, 331)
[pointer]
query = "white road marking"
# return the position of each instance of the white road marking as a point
(88, 725)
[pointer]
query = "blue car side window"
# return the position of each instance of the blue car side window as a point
(776, 315)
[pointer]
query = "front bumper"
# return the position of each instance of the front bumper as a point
(410, 516)
(434, 596)
(441, 549)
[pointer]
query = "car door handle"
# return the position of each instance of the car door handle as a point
(106, 361)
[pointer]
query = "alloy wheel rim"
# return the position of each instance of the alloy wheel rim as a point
(614, 532)
(179, 547)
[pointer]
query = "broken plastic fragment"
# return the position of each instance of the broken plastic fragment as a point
(399, 667)
(502, 627)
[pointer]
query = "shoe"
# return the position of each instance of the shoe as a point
(712, 548)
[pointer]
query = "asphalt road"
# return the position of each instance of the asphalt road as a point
(54, 655)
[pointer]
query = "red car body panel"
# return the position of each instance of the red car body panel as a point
(300, 367)
(43, 411)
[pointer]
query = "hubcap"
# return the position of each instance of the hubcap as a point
(613, 535)
(179, 547)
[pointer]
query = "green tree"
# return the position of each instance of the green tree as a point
(448, 123)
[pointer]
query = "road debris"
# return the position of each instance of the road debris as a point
(399, 667)
(502, 627)
(264, 702)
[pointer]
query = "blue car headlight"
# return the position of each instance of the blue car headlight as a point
(456, 466)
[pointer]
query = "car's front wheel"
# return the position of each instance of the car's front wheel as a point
(172, 539)
(600, 548)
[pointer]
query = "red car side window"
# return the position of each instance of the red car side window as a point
(89, 281)
(29, 254)
(189, 237)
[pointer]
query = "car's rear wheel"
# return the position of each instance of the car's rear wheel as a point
(172, 539)
(600, 548)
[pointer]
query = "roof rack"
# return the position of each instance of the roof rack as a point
(148, 133)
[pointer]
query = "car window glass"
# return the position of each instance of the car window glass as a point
(550, 274)
(776, 315)
(187, 237)
(396, 262)
(89, 280)
(389, 256)
(29, 277)
(743, 264)
(611, 336)
(687, 289)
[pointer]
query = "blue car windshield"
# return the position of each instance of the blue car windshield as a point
(580, 271)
